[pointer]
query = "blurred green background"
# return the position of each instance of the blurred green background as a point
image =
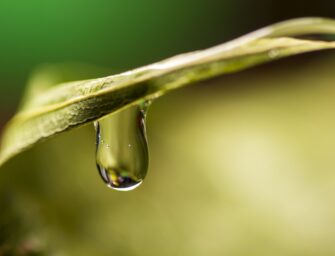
(240, 165)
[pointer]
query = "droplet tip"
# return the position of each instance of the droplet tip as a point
(112, 186)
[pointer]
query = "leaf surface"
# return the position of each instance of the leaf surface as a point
(49, 110)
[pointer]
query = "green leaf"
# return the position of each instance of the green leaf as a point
(48, 110)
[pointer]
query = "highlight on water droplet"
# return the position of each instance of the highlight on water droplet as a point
(121, 147)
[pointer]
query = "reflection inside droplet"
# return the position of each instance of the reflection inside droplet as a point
(121, 152)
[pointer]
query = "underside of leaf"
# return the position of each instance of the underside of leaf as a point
(54, 109)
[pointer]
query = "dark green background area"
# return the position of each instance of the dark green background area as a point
(123, 34)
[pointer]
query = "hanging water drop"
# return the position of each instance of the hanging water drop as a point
(122, 151)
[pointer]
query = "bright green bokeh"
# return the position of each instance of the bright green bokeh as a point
(117, 34)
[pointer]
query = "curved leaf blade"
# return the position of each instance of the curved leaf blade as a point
(73, 104)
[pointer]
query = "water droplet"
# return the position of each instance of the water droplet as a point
(123, 163)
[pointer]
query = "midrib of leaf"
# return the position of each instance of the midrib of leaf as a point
(73, 104)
